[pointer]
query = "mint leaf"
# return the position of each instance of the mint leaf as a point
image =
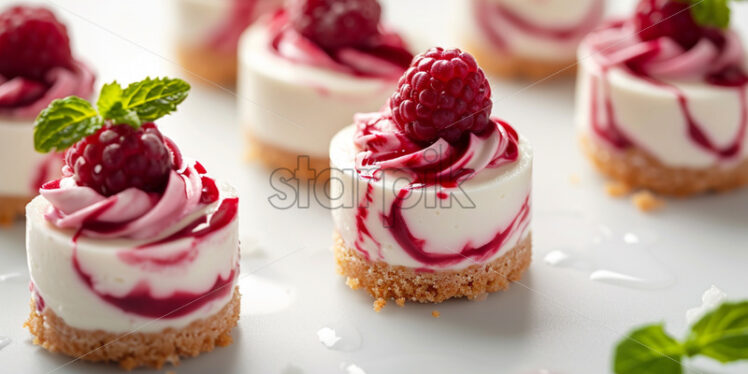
(64, 122)
(110, 95)
(111, 107)
(711, 13)
(648, 350)
(721, 334)
(151, 99)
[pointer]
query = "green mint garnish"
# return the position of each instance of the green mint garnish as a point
(64, 122)
(721, 334)
(648, 350)
(68, 120)
(711, 13)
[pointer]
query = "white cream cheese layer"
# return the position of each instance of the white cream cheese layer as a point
(299, 107)
(493, 202)
(61, 267)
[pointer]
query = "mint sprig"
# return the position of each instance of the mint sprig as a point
(711, 13)
(66, 121)
(721, 334)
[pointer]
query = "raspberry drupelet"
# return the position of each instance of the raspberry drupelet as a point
(336, 23)
(117, 157)
(32, 41)
(444, 94)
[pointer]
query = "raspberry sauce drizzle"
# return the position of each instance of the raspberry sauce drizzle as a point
(490, 15)
(139, 300)
(728, 77)
(415, 247)
(446, 171)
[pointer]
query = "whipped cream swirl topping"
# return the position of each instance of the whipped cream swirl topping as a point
(717, 58)
(25, 98)
(131, 213)
(383, 146)
(385, 56)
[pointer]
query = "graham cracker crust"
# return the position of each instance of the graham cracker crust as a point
(400, 283)
(508, 66)
(135, 349)
(12, 207)
(637, 169)
(275, 157)
(209, 64)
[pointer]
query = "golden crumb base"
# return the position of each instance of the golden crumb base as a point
(12, 207)
(639, 170)
(275, 157)
(135, 349)
(206, 63)
(400, 283)
(508, 66)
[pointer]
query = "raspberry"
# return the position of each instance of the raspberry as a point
(118, 157)
(444, 94)
(336, 23)
(667, 18)
(32, 41)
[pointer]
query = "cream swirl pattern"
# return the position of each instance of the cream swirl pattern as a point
(386, 57)
(62, 83)
(131, 213)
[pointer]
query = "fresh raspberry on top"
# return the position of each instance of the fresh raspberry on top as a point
(117, 157)
(336, 23)
(32, 41)
(667, 18)
(444, 94)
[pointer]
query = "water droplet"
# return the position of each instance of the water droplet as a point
(556, 257)
(620, 258)
(4, 342)
(263, 296)
(710, 300)
(630, 238)
(351, 369)
(618, 279)
(11, 276)
(340, 336)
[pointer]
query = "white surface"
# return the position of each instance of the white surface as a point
(556, 319)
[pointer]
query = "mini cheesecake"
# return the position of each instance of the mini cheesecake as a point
(134, 253)
(28, 85)
(663, 110)
(300, 83)
(528, 39)
(208, 33)
(431, 199)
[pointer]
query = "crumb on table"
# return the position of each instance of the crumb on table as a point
(647, 201)
(574, 179)
(435, 314)
(353, 283)
(379, 304)
(617, 189)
